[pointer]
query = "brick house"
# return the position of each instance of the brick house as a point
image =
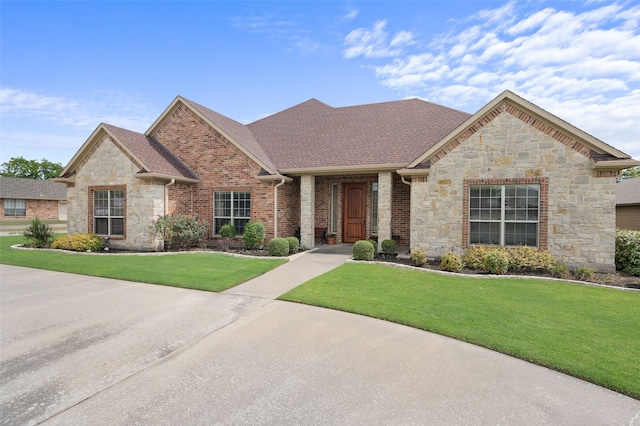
(628, 204)
(423, 174)
(22, 199)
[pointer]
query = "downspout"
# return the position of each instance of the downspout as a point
(275, 208)
(166, 196)
(404, 181)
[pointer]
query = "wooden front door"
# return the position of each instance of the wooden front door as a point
(355, 201)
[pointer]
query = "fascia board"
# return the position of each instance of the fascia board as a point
(346, 170)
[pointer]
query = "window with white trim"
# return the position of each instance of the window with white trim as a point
(108, 212)
(507, 215)
(232, 207)
(15, 208)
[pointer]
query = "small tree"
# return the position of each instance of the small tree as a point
(39, 234)
(18, 167)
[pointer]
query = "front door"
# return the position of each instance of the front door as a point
(355, 196)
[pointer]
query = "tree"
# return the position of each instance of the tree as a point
(30, 169)
(633, 172)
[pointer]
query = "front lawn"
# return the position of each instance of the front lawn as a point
(202, 271)
(588, 332)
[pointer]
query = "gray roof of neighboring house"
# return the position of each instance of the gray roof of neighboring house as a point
(32, 189)
(628, 192)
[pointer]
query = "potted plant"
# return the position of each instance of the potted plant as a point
(331, 238)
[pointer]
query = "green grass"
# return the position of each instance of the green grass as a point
(205, 271)
(589, 332)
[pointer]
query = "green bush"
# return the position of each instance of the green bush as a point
(363, 250)
(278, 247)
(79, 242)
(419, 257)
(496, 262)
(452, 262)
(530, 259)
(375, 246)
(389, 246)
(628, 251)
(560, 270)
(254, 235)
(228, 231)
(39, 234)
(583, 273)
(294, 244)
(179, 232)
(474, 257)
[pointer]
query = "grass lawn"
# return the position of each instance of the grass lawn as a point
(205, 271)
(589, 332)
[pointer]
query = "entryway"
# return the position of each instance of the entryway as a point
(355, 201)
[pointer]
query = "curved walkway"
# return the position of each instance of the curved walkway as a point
(86, 350)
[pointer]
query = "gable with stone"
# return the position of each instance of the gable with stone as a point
(422, 174)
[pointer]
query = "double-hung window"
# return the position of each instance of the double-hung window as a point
(232, 207)
(15, 208)
(507, 215)
(108, 212)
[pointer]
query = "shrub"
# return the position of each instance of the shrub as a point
(419, 257)
(628, 251)
(363, 250)
(452, 262)
(254, 235)
(228, 231)
(179, 232)
(294, 244)
(583, 273)
(278, 247)
(496, 262)
(530, 259)
(79, 242)
(375, 246)
(474, 257)
(39, 234)
(389, 246)
(560, 270)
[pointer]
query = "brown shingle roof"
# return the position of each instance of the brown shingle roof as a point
(32, 189)
(313, 134)
(156, 158)
(628, 192)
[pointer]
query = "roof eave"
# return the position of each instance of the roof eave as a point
(273, 178)
(161, 176)
(413, 172)
(620, 164)
(346, 170)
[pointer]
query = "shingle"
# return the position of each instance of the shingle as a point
(628, 192)
(32, 189)
(152, 153)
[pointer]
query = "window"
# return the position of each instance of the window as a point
(374, 208)
(108, 212)
(231, 207)
(507, 215)
(15, 207)
(334, 208)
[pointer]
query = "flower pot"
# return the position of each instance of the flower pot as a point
(331, 240)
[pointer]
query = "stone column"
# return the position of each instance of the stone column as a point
(384, 207)
(307, 210)
(419, 211)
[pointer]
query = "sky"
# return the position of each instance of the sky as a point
(67, 66)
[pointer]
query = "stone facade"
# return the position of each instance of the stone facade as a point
(107, 168)
(579, 221)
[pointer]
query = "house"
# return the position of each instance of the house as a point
(422, 174)
(28, 198)
(628, 204)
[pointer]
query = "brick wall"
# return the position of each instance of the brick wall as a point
(43, 209)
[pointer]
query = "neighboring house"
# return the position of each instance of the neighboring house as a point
(628, 204)
(28, 198)
(423, 174)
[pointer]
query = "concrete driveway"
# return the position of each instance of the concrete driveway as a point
(82, 350)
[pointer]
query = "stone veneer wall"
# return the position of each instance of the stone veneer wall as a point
(581, 207)
(109, 166)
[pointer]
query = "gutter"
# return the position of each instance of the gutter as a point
(166, 196)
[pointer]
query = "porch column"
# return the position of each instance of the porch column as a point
(307, 210)
(384, 207)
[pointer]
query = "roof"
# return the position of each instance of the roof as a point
(315, 135)
(628, 192)
(32, 189)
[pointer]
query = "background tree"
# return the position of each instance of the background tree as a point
(633, 172)
(30, 169)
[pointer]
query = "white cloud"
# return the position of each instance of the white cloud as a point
(374, 43)
(352, 12)
(583, 65)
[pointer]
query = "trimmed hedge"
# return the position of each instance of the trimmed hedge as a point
(278, 247)
(628, 251)
(452, 262)
(179, 231)
(79, 242)
(375, 247)
(363, 250)
(389, 246)
(254, 235)
(294, 244)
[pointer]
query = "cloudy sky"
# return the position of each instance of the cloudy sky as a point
(67, 66)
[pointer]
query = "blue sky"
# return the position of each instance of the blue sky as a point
(67, 66)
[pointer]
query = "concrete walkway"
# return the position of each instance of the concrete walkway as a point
(82, 350)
